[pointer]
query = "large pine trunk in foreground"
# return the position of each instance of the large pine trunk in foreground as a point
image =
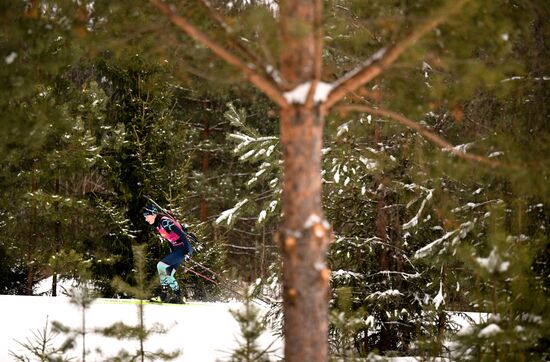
(304, 236)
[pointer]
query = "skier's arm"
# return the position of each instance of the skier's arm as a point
(186, 242)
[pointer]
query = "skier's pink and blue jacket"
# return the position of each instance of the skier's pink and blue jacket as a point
(172, 231)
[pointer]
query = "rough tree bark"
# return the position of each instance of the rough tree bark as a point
(304, 238)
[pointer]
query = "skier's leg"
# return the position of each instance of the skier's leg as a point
(164, 294)
(176, 291)
(162, 268)
(171, 280)
(171, 262)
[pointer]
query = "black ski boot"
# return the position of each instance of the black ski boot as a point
(163, 296)
(176, 297)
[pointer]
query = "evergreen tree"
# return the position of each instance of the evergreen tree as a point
(252, 327)
(256, 207)
(83, 298)
(47, 203)
(140, 332)
(41, 347)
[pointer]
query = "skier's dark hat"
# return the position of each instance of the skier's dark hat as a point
(150, 210)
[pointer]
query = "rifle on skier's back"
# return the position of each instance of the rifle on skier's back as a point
(171, 215)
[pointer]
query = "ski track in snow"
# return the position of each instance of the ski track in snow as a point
(203, 331)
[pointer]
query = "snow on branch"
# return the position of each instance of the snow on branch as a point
(246, 141)
(538, 79)
(228, 214)
(299, 94)
(385, 294)
(423, 131)
(463, 148)
(371, 60)
(388, 273)
(493, 263)
(490, 331)
(471, 206)
(346, 275)
(440, 297)
(428, 249)
(271, 5)
(414, 221)
(460, 233)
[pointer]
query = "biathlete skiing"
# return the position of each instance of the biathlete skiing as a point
(180, 251)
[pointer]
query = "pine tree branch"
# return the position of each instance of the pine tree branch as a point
(268, 86)
(384, 58)
(218, 18)
(424, 132)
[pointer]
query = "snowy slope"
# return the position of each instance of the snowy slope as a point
(203, 331)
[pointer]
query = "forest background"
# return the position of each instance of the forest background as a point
(435, 173)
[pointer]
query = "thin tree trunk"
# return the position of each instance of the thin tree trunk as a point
(381, 223)
(33, 235)
(381, 220)
(58, 238)
(441, 315)
(386, 337)
(203, 211)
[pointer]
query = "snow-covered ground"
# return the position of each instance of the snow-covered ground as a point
(202, 331)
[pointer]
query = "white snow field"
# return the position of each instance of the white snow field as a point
(203, 331)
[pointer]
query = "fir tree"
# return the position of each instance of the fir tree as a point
(83, 298)
(252, 327)
(48, 190)
(41, 347)
(140, 332)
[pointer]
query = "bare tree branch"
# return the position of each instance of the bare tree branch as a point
(267, 85)
(384, 58)
(424, 132)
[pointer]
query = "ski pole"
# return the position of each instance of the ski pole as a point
(227, 281)
(214, 273)
(218, 283)
(202, 276)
